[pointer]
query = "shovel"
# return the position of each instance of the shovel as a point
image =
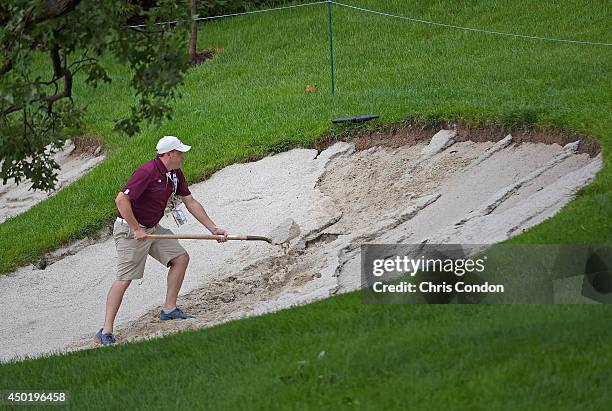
(281, 235)
(208, 237)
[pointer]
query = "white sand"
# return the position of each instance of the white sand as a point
(16, 199)
(448, 192)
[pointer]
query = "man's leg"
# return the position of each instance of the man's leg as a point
(113, 301)
(131, 260)
(176, 274)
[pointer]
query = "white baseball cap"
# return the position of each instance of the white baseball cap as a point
(169, 143)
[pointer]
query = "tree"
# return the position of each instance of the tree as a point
(220, 6)
(38, 111)
(193, 38)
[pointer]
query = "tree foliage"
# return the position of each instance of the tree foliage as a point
(38, 111)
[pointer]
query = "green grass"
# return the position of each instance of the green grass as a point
(250, 100)
(375, 357)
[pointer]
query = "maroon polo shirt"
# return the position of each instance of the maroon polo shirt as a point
(149, 189)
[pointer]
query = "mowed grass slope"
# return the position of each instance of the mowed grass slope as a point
(249, 100)
(341, 354)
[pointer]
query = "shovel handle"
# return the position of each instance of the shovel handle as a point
(207, 237)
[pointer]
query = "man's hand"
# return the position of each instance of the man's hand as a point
(140, 234)
(220, 231)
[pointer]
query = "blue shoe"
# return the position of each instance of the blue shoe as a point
(105, 339)
(175, 314)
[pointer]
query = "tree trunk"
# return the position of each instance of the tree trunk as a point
(193, 40)
(56, 8)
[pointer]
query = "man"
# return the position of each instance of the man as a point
(141, 204)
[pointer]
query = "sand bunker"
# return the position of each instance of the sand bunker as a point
(16, 199)
(327, 204)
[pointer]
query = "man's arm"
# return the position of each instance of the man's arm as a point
(196, 209)
(125, 209)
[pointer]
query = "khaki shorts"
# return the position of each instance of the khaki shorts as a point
(132, 254)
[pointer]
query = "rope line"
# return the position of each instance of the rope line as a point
(381, 13)
(234, 14)
(499, 33)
